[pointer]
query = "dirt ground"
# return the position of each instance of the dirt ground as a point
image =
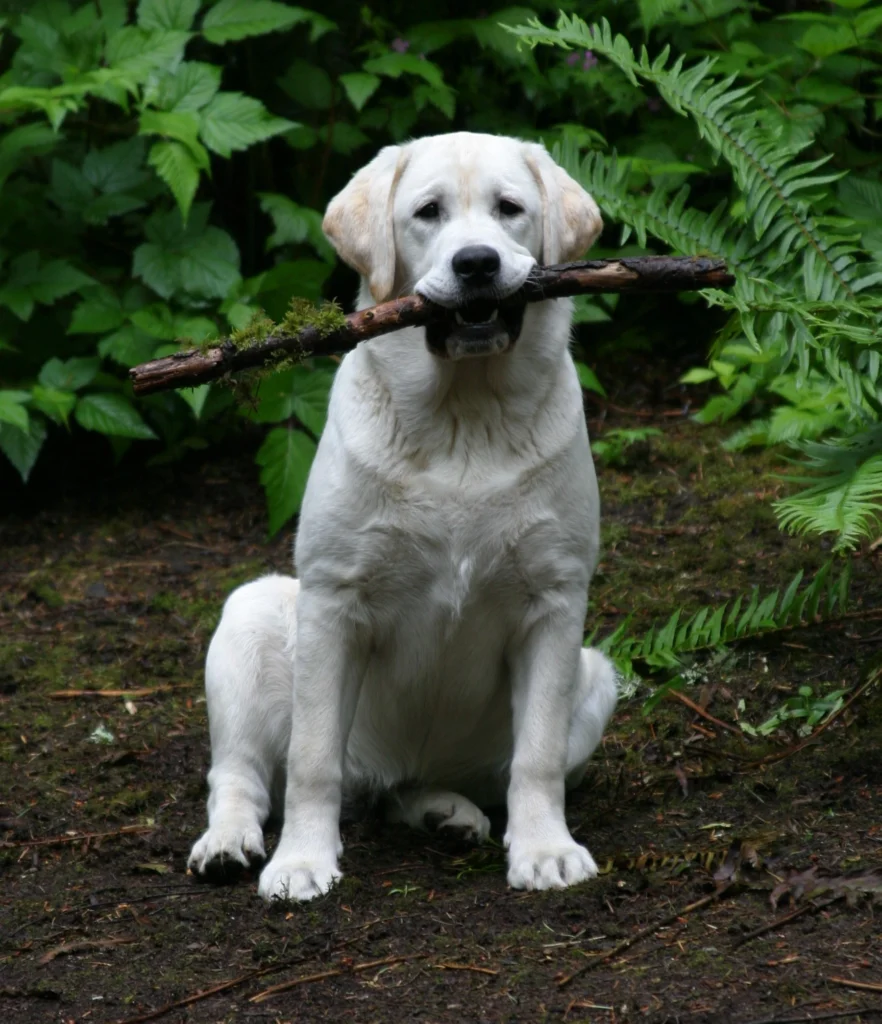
(698, 827)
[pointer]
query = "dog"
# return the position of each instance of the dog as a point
(431, 647)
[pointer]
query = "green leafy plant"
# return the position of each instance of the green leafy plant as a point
(804, 708)
(805, 322)
(613, 448)
(107, 130)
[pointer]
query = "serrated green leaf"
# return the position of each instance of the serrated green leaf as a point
(30, 282)
(230, 20)
(359, 86)
(294, 224)
(167, 14)
(22, 447)
(193, 259)
(68, 187)
(12, 409)
(138, 52)
(55, 404)
(189, 88)
(394, 65)
(117, 168)
(128, 346)
(285, 457)
(299, 391)
(111, 414)
(182, 126)
(70, 375)
(100, 311)
(100, 210)
(157, 320)
(174, 163)
(232, 122)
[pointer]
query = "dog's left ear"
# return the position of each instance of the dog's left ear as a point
(571, 220)
(358, 221)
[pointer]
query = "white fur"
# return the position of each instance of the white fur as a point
(432, 643)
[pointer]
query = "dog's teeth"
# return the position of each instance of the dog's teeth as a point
(459, 319)
(493, 315)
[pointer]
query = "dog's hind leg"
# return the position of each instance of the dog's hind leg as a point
(595, 702)
(248, 685)
(433, 810)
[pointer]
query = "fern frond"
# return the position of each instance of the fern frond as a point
(744, 618)
(774, 187)
(845, 494)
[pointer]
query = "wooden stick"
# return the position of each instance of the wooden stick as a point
(644, 933)
(699, 710)
(864, 986)
(126, 830)
(335, 972)
(643, 274)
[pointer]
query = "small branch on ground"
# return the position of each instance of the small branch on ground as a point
(857, 1011)
(641, 274)
(76, 837)
(284, 986)
(644, 933)
(864, 986)
(809, 908)
(699, 710)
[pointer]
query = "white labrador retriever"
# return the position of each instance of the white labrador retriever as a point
(431, 648)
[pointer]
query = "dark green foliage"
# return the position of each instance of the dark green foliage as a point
(164, 166)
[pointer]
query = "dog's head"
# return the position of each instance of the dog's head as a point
(461, 219)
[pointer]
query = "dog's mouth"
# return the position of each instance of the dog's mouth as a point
(482, 327)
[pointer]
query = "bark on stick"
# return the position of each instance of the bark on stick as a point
(638, 274)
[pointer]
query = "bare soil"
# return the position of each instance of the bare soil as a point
(116, 586)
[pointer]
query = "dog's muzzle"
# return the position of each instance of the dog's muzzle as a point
(481, 327)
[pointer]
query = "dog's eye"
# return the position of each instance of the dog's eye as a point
(431, 211)
(509, 209)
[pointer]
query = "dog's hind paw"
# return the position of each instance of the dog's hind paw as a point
(223, 852)
(448, 813)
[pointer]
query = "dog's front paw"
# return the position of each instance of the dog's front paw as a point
(549, 865)
(225, 850)
(291, 878)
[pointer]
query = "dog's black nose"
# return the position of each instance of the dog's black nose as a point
(476, 264)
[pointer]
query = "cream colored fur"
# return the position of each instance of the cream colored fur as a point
(431, 647)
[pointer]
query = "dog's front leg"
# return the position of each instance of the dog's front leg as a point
(329, 666)
(544, 665)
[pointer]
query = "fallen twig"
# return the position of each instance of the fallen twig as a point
(864, 986)
(699, 710)
(464, 967)
(143, 691)
(858, 1011)
(243, 979)
(644, 933)
(333, 973)
(809, 908)
(126, 830)
(646, 273)
(66, 948)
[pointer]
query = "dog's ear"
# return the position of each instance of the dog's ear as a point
(358, 221)
(571, 220)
